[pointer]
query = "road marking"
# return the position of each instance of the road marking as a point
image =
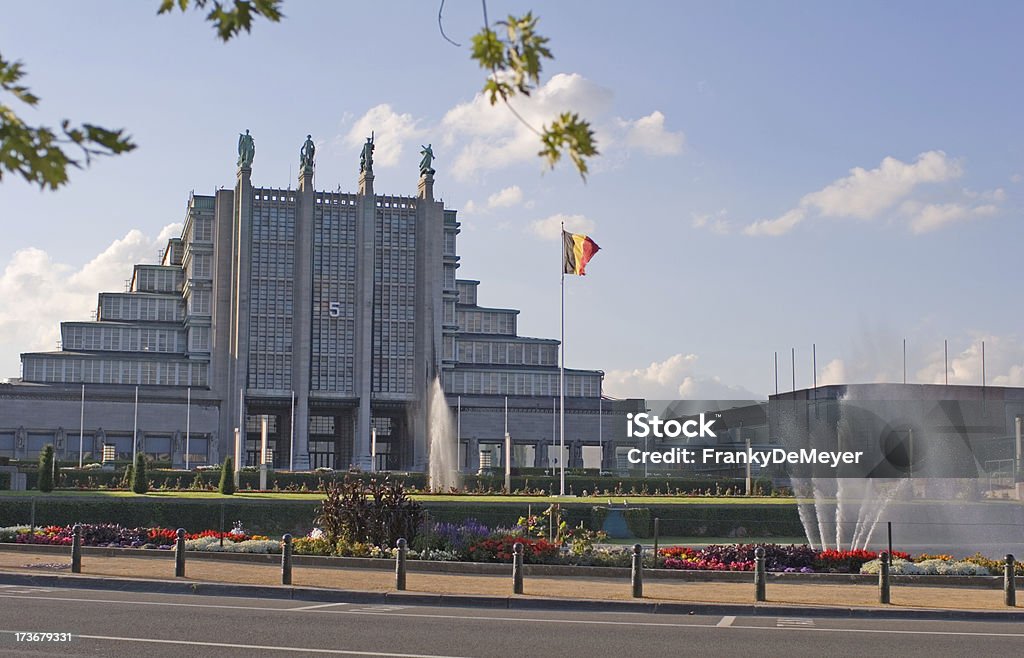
(794, 622)
(590, 622)
(315, 607)
(260, 647)
(726, 621)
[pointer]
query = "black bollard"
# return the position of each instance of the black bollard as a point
(517, 568)
(32, 516)
(883, 580)
(760, 577)
(76, 549)
(403, 547)
(179, 554)
(286, 559)
(1009, 582)
(637, 575)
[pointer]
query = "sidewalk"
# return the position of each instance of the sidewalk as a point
(198, 570)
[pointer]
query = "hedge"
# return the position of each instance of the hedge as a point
(5, 480)
(296, 516)
(312, 481)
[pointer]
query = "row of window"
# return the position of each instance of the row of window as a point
(467, 293)
(199, 301)
(487, 322)
(510, 352)
(121, 338)
(519, 383)
(130, 306)
(67, 369)
(156, 278)
(200, 265)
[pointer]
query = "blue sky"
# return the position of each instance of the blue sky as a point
(772, 174)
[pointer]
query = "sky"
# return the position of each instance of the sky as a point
(772, 175)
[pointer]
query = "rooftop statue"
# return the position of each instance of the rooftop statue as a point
(307, 152)
(366, 157)
(246, 149)
(428, 158)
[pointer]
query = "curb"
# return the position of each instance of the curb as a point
(317, 595)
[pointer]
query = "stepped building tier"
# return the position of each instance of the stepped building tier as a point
(325, 315)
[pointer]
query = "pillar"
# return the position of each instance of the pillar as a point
(302, 317)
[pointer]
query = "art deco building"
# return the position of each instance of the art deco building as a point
(330, 313)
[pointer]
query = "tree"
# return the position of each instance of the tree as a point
(140, 483)
(227, 477)
(43, 155)
(45, 481)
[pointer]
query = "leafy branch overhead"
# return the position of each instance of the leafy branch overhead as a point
(515, 63)
(229, 22)
(37, 153)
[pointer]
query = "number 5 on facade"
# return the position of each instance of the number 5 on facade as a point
(335, 309)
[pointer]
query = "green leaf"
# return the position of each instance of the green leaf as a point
(229, 19)
(572, 135)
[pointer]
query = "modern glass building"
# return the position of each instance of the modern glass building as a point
(329, 314)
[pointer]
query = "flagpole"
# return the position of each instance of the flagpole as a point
(561, 389)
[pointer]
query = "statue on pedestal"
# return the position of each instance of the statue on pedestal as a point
(246, 149)
(366, 157)
(428, 158)
(307, 152)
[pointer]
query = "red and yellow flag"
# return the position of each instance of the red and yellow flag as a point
(577, 251)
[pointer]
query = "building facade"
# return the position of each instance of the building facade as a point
(327, 315)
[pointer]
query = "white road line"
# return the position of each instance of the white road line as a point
(583, 622)
(315, 607)
(726, 621)
(260, 647)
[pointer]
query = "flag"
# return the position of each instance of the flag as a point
(577, 250)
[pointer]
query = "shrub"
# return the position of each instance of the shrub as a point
(377, 513)
(45, 482)
(227, 477)
(499, 549)
(140, 483)
(312, 546)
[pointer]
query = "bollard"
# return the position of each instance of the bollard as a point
(760, 577)
(1009, 582)
(179, 554)
(638, 571)
(286, 559)
(76, 549)
(32, 515)
(656, 524)
(517, 568)
(400, 565)
(883, 579)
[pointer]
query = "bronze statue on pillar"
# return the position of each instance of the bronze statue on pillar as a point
(246, 150)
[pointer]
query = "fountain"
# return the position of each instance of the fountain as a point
(444, 445)
(921, 473)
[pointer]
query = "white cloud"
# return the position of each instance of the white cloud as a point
(1004, 361)
(1016, 178)
(865, 193)
(672, 379)
(36, 294)
(506, 198)
(716, 223)
(833, 372)
(487, 137)
(551, 227)
(648, 134)
(391, 131)
(929, 217)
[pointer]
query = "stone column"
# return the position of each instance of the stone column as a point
(576, 454)
(473, 455)
(363, 377)
(608, 455)
(302, 318)
(540, 454)
(241, 267)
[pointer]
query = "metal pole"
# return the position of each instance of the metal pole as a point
(76, 549)
(517, 568)
(945, 359)
(135, 429)
(814, 368)
(400, 565)
(759, 575)
(188, 423)
(561, 396)
(263, 452)
(291, 438)
(883, 580)
(1009, 582)
(776, 373)
(792, 353)
(983, 364)
(554, 433)
(286, 559)
(657, 523)
(749, 480)
(888, 525)
(508, 453)
(81, 429)
(1018, 473)
(600, 432)
(904, 360)
(179, 554)
(637, 572)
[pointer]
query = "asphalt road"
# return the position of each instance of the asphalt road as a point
(104, 623)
